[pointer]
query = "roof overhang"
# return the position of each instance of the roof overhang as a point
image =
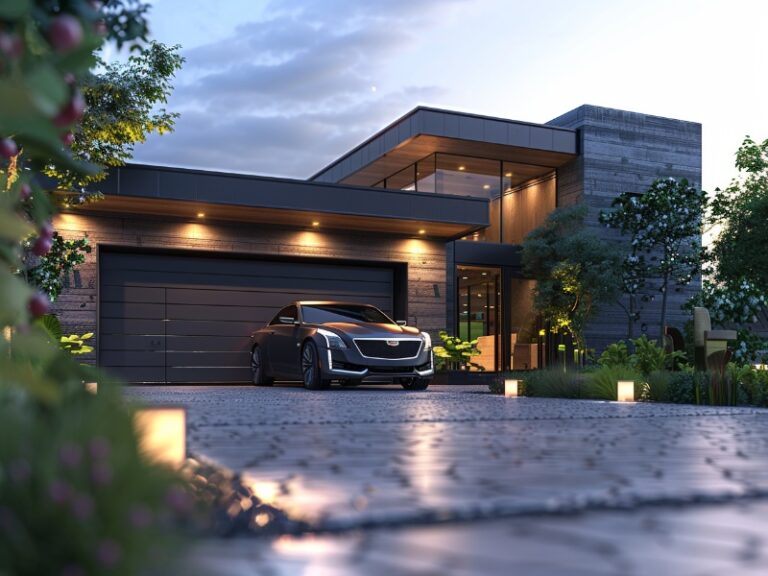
(535, 148)
(184, 193)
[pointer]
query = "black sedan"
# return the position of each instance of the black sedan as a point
(318, 342)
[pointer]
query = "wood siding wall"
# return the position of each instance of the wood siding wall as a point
(624, 152)
(425, 259)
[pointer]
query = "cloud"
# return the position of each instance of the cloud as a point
(286, 94)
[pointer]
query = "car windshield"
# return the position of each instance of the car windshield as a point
(324, 313)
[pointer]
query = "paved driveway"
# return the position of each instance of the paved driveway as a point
(455, 480)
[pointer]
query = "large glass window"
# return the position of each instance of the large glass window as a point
(479, 313)
(525, 347)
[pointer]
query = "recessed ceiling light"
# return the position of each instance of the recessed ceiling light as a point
(465, 277)
(201, 214)
(479, 295)
(508, 174)
(315, 224)
(422, 231)
(466, 304)
(485, 273)
(486, 186)
(462, 167)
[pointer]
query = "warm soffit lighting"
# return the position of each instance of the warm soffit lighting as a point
(422, 231)
(315, 224)
(462, 167)
(508, 175)
(465, 277)
(486, 186)
(201, 214)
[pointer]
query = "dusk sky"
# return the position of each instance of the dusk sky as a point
(283, 87)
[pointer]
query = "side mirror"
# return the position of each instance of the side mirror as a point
(287, 320)
(402, 322)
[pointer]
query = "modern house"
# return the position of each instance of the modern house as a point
(424, 220)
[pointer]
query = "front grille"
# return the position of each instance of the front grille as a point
(379, 348)
(390, 369)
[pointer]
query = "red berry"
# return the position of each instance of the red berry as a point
(11, 45)
(39, 305)
(72, 110)
(65, 33)
(25, 191)
(42, 246)
(67, 138)
(8, 148)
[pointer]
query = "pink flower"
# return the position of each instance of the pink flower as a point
(82, 506)
(70, 455)
(59, 491)
(140, 516)
(109, 553)
(101, 473)
(99, 448)
(177, 499)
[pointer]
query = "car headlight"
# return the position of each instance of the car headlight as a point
(333, 341)
(427, 341)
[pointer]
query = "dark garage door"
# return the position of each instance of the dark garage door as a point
(181, 318)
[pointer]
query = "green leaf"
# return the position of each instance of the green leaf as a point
(50, 323)
(86, 336)
(47, 89)
(14, 9)
(13, 227)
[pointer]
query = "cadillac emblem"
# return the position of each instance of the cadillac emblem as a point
(393, 343)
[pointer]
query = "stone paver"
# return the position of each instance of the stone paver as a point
(496, 468)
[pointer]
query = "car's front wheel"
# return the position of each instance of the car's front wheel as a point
(310, 368)
(414, 383)
(257, 368)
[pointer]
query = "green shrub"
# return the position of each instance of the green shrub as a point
(688, 387)
(602, 383)
(554, 383)
(615, 354)
(751, 384)
(656, 387)
(455, 352)
(650, 357)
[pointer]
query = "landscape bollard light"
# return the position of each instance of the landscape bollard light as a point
(625, 391)
(511, 388)
(162, 434)
(92, 387)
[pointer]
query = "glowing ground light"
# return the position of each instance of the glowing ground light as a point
(625, 391)
(511, 388)
(162, 434)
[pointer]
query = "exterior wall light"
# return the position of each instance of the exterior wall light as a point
(162, 434)
(511, 388)
(625, 391)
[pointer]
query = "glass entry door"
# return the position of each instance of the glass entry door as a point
(479, 313)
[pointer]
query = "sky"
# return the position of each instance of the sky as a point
(283, 87)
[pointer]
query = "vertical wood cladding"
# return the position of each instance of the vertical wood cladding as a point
(625, 152)
(425, 259)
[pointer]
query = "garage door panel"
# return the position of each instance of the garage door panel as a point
(139, 374)
(254, 314)
(205, 359)
(203, 343)
(132, 326)
(117, 342)
(201, 311)
(126, 293)
(208, 375)
(130, 358)
(132, 310)
(208, 328)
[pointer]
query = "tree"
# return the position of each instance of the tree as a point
(735, 288)
(664, 227)
(121, 109)
(574, 271)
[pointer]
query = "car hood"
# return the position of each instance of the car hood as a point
(371, 330)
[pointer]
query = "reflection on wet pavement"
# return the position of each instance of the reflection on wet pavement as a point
(348, 460)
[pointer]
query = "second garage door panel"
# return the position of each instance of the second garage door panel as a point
(188, 319)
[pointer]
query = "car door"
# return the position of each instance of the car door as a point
(283, 353)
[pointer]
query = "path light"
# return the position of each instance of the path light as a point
(162, 434)
(92, 387)
(625, 391)
(511, 388)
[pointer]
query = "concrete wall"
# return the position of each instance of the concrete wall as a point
(425, 259)
(624, 152)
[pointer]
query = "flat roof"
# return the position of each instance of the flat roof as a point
(183, 193)
(425, 130)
